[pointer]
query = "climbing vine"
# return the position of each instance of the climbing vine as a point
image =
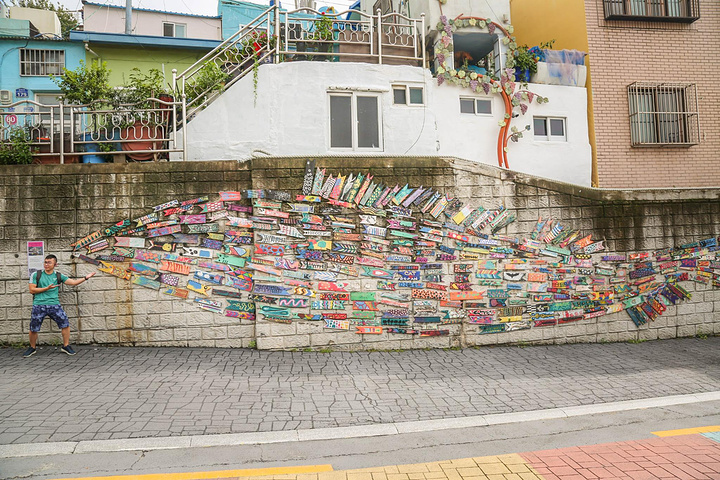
(512, 92)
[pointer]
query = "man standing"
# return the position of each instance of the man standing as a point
(46, 303)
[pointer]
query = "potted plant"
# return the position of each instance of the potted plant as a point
(323, 33)
(87, 87)
(138, 122)
(525, 63)
(208, 82)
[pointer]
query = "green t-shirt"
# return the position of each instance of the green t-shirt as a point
(48, 297)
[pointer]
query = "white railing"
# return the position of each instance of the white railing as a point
(63, 133)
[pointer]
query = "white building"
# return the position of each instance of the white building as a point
(352, 105)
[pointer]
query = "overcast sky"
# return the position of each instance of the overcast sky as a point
(199, 7)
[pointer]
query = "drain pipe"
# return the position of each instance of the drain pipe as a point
(128, 17)
(90, 50)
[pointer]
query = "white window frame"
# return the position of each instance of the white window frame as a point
(353, 114)
(408, 87)
(39, 63)
(475, 109)
(174, 24)
(548, 137)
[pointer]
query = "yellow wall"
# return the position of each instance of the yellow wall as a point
(121, 60)
(538, 21)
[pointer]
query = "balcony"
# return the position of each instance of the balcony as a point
(677, 11)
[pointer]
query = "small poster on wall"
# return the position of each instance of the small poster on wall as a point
(36, 256)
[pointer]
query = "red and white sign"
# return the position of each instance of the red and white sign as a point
(11, 119)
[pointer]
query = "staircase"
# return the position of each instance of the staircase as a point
(225, 65)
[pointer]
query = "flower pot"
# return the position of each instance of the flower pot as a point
(522, 74)
(141, 137)
(92, 147)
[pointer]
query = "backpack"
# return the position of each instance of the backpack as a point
(40, 272)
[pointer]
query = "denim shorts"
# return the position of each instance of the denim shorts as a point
(56, 312)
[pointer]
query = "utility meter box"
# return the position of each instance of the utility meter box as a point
(5, 97)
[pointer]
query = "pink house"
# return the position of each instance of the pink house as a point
(111, 19)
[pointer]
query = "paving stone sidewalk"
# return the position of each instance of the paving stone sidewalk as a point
(686, 457)
(109, 393)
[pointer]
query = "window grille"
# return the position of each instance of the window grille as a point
(663, 114)
(682, 11)
(41, 62)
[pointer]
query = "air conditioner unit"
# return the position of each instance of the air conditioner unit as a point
(306, 3)
(5, 97)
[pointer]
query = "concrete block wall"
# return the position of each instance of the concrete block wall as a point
(59, 204)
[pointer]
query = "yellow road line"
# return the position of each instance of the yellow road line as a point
(686, 431)
(250, 472)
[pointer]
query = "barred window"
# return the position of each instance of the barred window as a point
(685, 11)
(41, 62)
(663, 114)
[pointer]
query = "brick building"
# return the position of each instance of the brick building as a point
(653, 105)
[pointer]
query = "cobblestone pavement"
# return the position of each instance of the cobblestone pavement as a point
(109, 393)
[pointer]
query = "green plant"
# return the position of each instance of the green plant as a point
(513, 93)
(141, 86)
(209, 79)
(323, 31)
(252, 47)
(85, 84)
(106, 148)
(252, 344)
(16, 151)
(132, 100)
(525, 60)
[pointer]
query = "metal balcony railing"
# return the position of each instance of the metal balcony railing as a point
(681, 11)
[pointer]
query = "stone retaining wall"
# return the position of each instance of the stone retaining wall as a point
(59, 204)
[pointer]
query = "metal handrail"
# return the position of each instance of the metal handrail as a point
(105, 126)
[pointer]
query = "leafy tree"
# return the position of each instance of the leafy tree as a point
(85, 84)
(68, 21)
